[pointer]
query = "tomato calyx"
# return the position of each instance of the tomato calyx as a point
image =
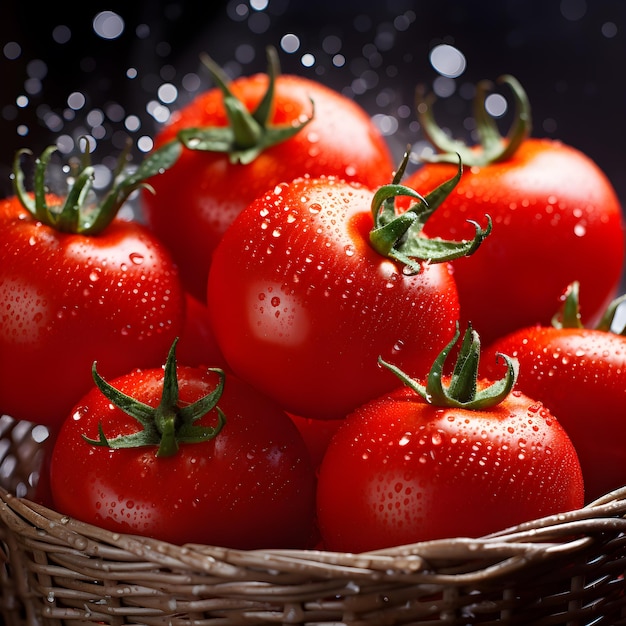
(493, 147)
(248, 133)
(169, 424)
(398, 236)
(462, 390)
(80, 212)
(568, 316)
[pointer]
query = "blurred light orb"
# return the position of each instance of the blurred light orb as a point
(496, 105)
(108, 25)
(448, 60)
(290, 43)
(443, 86)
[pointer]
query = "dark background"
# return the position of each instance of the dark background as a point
(568, 54)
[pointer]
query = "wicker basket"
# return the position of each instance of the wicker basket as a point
(567, 569)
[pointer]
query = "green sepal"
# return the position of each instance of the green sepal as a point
(168, 425)
(462, 390)
(248, 134)
(399, 236)
(78, 213)
(493, 147)
(568, 316)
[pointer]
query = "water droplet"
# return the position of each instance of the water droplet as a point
(580, 230)
(315, 208)
(136, 258)
(275, 301)
(397, 347)
(349, 250)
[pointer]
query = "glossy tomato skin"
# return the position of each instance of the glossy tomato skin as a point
(68, 300)
(302, 306)
(556, 219)
(579, 375)
(317, 434)
(199, 197)
(197, 344)
(252, 486)
(400, 470)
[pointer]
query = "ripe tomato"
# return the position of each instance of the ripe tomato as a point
(232, 471)
(578, 372)
(302, 304)
(316, 434)
(214, 179)
(556, 219)
(197, 344)
(74, 290)
(425, 462)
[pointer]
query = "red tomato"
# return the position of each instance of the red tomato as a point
(302, 304)
(579, 374)
(403, 469)
(71, 297)
(556, 218)
(248, 485)
(197, 345)
(316, 434)
(198, 198)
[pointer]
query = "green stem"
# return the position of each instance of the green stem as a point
(76, 214)
(462, 390)
(248, 134)
(493, 147)
(400, 236)
(169, 424)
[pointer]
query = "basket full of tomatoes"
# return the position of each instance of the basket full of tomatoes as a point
(309, 385)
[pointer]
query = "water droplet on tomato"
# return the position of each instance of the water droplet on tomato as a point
(580, 230)
(136, 258)
(315, 208)
(397, 347)
(349, 250)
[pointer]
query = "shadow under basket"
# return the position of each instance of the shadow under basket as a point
(567, 569)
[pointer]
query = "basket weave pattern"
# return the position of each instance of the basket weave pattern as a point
(567, 569)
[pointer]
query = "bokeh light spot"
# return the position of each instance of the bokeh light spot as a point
(108, 25)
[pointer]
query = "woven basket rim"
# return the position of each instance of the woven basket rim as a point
(510, 547)
(566, 568)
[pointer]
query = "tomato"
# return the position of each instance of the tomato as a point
(198, 198)
(458, 456)
(316, 434)
(556, 219)
(216, 463)
(578, 372)
(197, 344)
(302, 303)
(74, 289)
